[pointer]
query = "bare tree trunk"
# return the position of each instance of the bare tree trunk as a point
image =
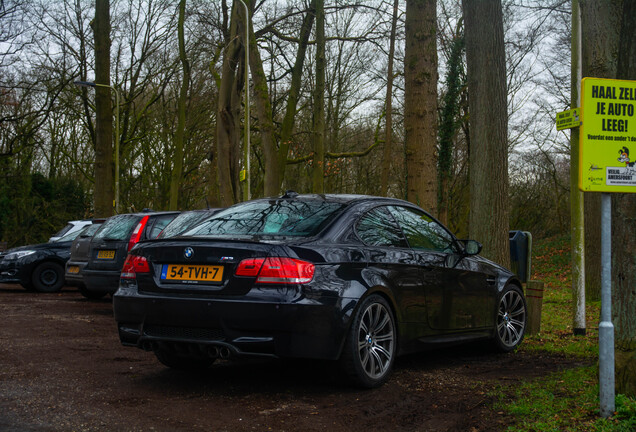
(228, 115)
(485, 57)
(388, 133)
(448, 126)
(623, 236)
(420, 102)
(287, 127)
(103, 193)
(263, 112)
(318, 174)
(177, 169)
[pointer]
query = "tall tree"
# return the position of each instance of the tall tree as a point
(388, 134)
(177, 168)
(274, 178)
(623, 238)
(486, 66)
(420, 102)
(449, 124)
(318, 174)
(600, 21)
(103, 193)
(228, 114)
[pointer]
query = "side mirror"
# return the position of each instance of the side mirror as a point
(472, 247)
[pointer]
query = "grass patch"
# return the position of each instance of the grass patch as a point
(567, 400)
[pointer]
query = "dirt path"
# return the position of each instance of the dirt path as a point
(62, 368)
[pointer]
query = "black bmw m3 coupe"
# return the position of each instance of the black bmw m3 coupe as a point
(358, 279)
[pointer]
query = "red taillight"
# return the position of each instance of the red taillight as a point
(278, 270)
(136, 235)
(249, 267)
(134, 264)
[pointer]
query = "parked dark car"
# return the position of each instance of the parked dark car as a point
(38, 267)
(110, 245)
(357, 279)
(185, 221)
(79, 256)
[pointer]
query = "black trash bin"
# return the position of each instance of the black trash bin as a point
(520, 244)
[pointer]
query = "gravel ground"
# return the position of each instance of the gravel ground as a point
(62, 368)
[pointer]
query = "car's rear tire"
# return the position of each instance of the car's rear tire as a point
(511, 319)
(48, 277)
(182, 362)
(370, 348)
(92, 295)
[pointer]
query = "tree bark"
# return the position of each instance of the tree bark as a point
(600, 21)
(177, 169)
(228, 115)
(420, 103)
(103, 193)
(318, 172)
(388, 133)
(624, 237)
(449, 125)
(276, 177)
(485, 57)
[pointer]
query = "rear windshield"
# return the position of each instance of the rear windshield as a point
(117, 228)
(183, 222)
(269, 218)
(90, 230)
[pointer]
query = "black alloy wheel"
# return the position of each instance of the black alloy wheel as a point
(511, 319)
(370, 348)
(48, 277)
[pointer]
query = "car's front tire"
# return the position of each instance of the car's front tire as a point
(511, 319)
(48, 277)
(370, 347)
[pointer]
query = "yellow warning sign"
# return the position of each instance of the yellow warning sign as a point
(568, 119)
(607, 136)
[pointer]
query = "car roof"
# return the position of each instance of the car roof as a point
(339, 198)
(148, 213)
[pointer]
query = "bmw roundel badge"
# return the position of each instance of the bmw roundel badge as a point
(188, 252)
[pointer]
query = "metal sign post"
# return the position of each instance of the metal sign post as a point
(607, 134)
(605, 327)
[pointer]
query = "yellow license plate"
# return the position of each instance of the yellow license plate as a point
(106, 254)
(205, 273)
(73, 269)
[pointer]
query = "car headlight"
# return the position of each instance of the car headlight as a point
(18, 254)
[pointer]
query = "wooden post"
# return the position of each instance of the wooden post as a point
(534, 298)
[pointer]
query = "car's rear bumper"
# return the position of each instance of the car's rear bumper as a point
(105, 281)
(75, 278)
(302, 329)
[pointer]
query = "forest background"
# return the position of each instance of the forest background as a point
(48, 137)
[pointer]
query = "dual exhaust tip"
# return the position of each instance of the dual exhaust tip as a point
(213, 351)
(221, 352)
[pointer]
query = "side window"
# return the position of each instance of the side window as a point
(159, 225)
(378, 228)
(421, 231)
